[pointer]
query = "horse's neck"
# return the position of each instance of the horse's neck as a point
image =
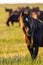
(36, 24)
(33, 24)
(34, 16)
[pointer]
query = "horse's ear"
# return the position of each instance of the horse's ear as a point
(21, 21)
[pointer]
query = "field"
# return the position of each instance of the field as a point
(13, 49)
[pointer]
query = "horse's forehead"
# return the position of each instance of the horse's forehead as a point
(26, 19)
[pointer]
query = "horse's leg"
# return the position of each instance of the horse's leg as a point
(27, 40)
(35, 51)
(29, 46)
(8, 22)
(30, 50)
(12, 22)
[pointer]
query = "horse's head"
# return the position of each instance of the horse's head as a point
(8, 10)
(27, 19)
(26, 25)
(25, 22)
(35, 12)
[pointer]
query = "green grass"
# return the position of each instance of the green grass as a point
(13, 49)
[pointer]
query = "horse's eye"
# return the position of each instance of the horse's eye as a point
(26, 19)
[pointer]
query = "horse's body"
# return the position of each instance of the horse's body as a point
(36, 28)
(14, 17)
(37, 32)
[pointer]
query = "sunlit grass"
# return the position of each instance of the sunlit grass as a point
(13, 49)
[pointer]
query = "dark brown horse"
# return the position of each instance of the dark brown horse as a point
(30, 26)
(37, 13)
(13, 16)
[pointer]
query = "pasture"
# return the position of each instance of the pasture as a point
(13, 49)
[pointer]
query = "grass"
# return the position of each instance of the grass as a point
(13, 49)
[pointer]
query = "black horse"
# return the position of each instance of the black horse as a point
(33, 28)
(14, 15)
(38, 12)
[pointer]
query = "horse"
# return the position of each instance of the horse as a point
(36, 12)
(33, 31)
(14, 15)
